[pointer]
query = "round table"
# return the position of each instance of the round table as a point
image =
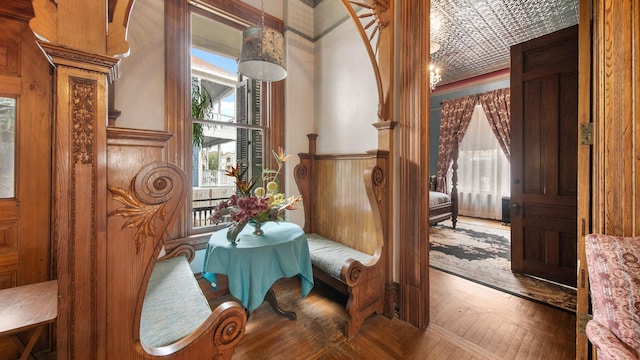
(257, 262)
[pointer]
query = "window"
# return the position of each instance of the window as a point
(483, 170)
(226, 121)
(7, 147)
(223, 119)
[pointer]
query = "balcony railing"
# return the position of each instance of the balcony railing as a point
(210, 178)
(202, 214)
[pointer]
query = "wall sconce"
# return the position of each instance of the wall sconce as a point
(262, 57)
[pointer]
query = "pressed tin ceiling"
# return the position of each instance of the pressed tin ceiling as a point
(475, 36)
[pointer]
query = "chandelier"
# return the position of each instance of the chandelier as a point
(434, 76)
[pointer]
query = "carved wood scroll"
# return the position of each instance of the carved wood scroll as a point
(145, 200)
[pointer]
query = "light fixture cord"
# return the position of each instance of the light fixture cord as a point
(262, 14)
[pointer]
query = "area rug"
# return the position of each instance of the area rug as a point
(482, 254)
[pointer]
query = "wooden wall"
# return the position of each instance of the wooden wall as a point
(25, 252)
(609, 182)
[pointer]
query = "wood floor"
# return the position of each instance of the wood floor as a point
(468, 321)
(486, 222)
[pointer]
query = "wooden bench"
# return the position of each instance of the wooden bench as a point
(159, 311)
(28, 307)
(345, 202)
(175, 312)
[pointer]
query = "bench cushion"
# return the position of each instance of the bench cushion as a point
(329, 256)
(174, 305)
(614, 275)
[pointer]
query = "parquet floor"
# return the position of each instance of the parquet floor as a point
(467, 321)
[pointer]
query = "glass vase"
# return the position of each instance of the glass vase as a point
(233, 231)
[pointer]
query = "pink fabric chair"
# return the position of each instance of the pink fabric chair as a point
(614, 277)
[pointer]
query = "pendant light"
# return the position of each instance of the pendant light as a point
(262, 57)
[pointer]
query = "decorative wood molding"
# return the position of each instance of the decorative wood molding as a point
(60, 55)
(45, 22)
(137, 137)
(378, 31)
(185, 249)
(46, 27)
(379, 181)
(119, 13)
(19, 9)
(237, 14)
(79, 183)
(83, 116)
(139, 215)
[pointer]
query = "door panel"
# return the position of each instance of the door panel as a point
(25, 165)
(544, 157)
(25, 200)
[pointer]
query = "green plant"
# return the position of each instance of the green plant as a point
(213, 161)
(200, 102)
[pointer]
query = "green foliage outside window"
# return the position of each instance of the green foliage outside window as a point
(200, 103)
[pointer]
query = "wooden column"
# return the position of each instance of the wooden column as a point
(414, 162)
(79, 197)
(75, 37)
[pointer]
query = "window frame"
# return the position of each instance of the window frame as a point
(178, 94)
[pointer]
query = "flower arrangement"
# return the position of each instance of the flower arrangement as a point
(256, 204)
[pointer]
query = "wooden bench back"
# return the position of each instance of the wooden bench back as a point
(345, 197)
(146, 195)
(145, 201)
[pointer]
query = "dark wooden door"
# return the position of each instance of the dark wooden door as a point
(544, 156)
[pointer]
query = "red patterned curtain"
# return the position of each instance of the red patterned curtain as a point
(496, 105)
(456, 114)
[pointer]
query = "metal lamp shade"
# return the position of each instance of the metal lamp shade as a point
(262, 56)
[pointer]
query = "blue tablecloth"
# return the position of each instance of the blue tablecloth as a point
(258, 261)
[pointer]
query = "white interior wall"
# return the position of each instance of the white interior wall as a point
(271, 7)
(139, 92)
(299, 92)
(327, 15)
(346, 96)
